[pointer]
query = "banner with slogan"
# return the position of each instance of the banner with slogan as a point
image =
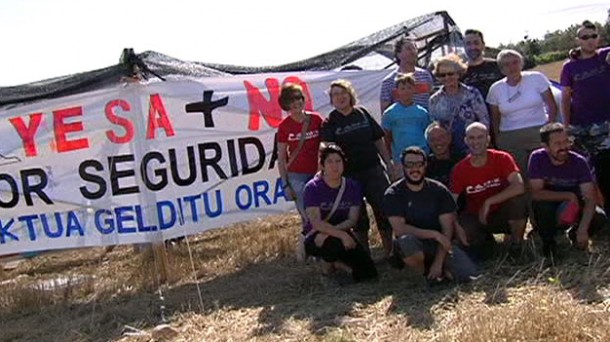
(138, 163)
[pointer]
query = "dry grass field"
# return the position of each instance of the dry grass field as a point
(252, 290)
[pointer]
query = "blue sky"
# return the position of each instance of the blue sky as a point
(43, 39)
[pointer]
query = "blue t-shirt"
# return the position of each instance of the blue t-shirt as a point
(407, 124)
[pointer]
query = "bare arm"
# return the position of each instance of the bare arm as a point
(495, 119)
(515, 188)
(282, 160)
(541, 194)
(549, 100)
(400, 227)
(447, 222)
(384, 146)
(588, 194)
(339, 230)
(566, 102)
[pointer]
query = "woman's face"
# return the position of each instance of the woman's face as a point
(511, 66)
(340, 98)
(297, 103)
(447, 75)
(333, 166)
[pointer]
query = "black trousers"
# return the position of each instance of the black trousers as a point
(333, 250)
(545, 214)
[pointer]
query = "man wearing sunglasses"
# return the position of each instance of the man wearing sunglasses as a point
(585, 102)
(423, 217)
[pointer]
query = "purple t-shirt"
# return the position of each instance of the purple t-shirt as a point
(565, 177)
(318, 194)
(590, 82)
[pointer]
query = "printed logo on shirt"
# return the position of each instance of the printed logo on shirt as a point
(352, 127)
(308, 135)
(475, 189)
(590, 73)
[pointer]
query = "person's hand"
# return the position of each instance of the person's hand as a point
(582, 238)
(348, 241)
(608, 58)
(573, 198)
(445, 243)
(395, 171)
(290, 194)
(436, 271)
(484, 212)
(460, 235)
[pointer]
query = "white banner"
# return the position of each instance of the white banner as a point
(140, 163)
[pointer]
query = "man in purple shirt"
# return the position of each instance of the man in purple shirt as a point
(585, 101)
(561, 179)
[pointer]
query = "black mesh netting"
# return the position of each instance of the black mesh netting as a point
(434, 33)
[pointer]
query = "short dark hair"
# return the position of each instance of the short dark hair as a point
(400, 43)
(477, 32)
(327, 150)
(412, 150)
(286, 94)
(550, 128)
(588, 25)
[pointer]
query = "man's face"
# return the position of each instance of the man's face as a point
(414, 167)
(477, 140)
(408, 53)
(558, 146)
(588, 40)
(439, 140)
(474, 46)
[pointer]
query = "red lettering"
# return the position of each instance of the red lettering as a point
(117, 120)
(154, 121)
(270, 109)
(62, 129)
(27, 132)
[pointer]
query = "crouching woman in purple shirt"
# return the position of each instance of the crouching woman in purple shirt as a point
(332, 205)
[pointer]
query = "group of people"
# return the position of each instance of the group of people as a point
(443, 171)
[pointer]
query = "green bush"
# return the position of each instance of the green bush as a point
(552, 56)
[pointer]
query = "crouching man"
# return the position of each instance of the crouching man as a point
(422, 213)
(563, 191)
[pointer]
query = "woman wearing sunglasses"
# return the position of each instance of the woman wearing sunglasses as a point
(456, 105)
(521, 103)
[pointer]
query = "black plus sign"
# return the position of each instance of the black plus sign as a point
(206, 107)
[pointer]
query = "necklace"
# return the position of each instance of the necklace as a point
(514, 95)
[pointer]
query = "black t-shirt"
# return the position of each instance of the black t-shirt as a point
(356, 134)
(440, 169)
(482, 76)
(419, 208)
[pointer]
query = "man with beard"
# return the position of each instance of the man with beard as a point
(562, 186)
(493, 190)
(482, 72)
(423, 216)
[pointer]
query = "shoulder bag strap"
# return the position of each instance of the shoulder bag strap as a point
(337, 200)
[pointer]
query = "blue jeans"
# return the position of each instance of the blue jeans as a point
(297, 183)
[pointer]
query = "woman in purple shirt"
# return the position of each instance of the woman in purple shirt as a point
(332, 205)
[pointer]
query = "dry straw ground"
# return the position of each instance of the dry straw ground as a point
(253, 290)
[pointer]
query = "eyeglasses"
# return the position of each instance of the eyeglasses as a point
(443, 74)
(588, 36)
(411, 165)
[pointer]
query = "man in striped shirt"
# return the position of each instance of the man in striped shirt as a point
(405, 51)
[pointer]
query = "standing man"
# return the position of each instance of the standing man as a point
(585, 100)
(482, 72)
(492, 188)
(423, 214)
(562, 178)
(405, 52)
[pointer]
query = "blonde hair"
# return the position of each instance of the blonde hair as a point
(408, 78)
(452, 60)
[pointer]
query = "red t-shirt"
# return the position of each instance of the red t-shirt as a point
(480, 183)
(289, 132)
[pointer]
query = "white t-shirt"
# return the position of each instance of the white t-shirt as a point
(520, 106)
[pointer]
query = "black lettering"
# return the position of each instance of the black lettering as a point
(213, 161)
(242, 144)
(14, 191)
(89, 177)
(116, 175)
(160, 173)
(190, 150)
(35, 188)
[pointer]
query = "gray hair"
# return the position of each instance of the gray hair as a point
(506, 53)
(476, 125)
